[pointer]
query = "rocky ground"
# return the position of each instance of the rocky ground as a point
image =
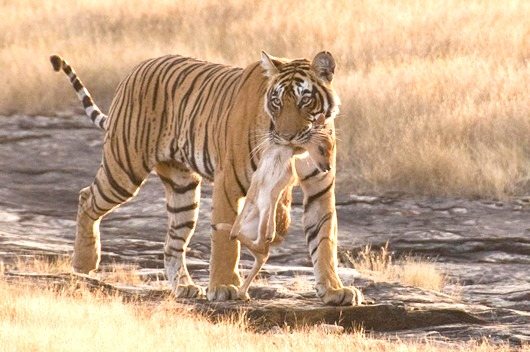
(482, 245)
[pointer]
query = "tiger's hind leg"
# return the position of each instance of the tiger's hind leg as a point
(183, 194)
(110, 189)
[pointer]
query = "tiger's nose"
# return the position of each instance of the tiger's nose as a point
(288, 136)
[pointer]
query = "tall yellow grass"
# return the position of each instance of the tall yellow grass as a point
(46, 320)
(435, 92)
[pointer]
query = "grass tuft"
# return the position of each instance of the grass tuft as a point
(409, 270)
(43, 264)
(121, 273)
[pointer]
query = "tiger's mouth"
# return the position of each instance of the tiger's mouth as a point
(299, 139)
(306, 143)
(276, 139)
(296, 140)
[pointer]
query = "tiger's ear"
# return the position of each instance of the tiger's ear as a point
(324, 66)
(269, 64)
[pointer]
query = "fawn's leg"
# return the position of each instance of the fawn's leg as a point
(259, 261)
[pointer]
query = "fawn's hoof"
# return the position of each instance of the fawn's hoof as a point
(243, 295)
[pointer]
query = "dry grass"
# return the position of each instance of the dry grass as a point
(421, 273)
(47, 320)
(435, 92)
(121, 273)
(43, 264)
(413, 271)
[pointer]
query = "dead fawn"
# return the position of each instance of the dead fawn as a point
(255, 226)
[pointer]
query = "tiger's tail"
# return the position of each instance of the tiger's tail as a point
(91, 109)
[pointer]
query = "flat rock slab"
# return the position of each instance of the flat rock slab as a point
(377, 317)
(484, 245)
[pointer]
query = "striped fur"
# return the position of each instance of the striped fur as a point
(191, 120)
(91, 109)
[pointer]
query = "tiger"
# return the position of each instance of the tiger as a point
(191, 120)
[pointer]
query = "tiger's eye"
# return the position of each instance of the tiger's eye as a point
(305, 100)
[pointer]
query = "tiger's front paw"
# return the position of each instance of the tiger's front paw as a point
(345, 296)
(221, 293)
(189, 291)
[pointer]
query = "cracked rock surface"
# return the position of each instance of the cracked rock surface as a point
(483, 245)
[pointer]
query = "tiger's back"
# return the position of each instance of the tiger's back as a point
(171, 108)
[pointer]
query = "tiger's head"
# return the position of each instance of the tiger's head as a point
(299, 94)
